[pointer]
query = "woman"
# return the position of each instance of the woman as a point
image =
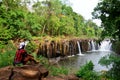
(21, 55)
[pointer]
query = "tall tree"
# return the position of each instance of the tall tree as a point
(109, 13)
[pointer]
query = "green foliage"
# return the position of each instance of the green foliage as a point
(61, 20)
(47, 18)
(33, 24)
(116, 46)
(24, 34)
(109, 13)
(4, 33)
(7, 58)
(31, 47)
(7, 53)
(86, 72)
(55, 71)
(114, 60)
(6, 46)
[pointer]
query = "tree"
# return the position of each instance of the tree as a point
(114, 61)
(109, 13)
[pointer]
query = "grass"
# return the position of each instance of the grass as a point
(7, 58)
(55, 71)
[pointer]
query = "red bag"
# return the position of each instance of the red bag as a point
(19, 55)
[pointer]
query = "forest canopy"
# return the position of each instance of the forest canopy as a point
(47, 17)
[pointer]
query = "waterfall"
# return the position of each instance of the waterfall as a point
(71, 50)
(90, 48)
(105, 45)
(93, 45)
(79, 48)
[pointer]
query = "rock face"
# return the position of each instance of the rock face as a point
(26, 72)
(63, 47)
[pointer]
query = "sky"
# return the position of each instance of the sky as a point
(85, 7)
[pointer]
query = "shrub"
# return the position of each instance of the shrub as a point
(7, 58)
(114, 60)
(30, 47)
(42, 60)
(86, 72)
(55, 71)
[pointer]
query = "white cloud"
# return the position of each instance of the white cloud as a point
(85, 7)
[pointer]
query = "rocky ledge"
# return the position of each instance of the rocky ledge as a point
(31, 72)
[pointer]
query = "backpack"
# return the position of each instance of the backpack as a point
(19, 55)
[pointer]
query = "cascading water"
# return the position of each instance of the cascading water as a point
(93, 45)
(79, 48)
(97, 51)
(105, 45)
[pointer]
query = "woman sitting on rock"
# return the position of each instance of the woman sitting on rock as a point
(21, 55)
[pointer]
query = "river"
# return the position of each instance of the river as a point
(75, 62)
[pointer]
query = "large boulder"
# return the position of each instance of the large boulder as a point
(5, 73)
(31, 72)
(26, 72)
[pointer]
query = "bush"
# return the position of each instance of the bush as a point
(114, 60)
(42, 60)
(55, 71)
(30, 48)
(86, 72)
(116, 46)
(7, 58)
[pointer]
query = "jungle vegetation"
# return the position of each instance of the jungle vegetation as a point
(108, 12)
(56, 18)
(34, 18)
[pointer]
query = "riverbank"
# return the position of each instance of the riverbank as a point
(52, 47)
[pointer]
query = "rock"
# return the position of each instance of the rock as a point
(26, 72)
(72, 77)
(31, 72)
(5, 73)
(43, 70)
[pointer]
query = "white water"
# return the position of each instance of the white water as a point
(93, 45)
(105, 45)
(79, 48)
